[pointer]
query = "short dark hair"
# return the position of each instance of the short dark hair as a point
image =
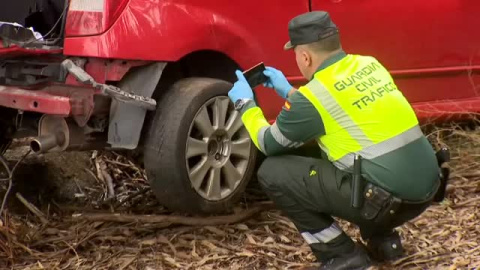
(329, 44)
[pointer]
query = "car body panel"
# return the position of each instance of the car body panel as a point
(418, 41)
(167, 30)
(432, 50)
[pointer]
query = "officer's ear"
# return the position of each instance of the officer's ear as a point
(304, 56)
(308, 58)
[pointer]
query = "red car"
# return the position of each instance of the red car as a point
(153, 76)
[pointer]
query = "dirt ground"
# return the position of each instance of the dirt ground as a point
(74, 192)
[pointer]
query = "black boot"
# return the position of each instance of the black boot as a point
(386, 247)
(356, 260)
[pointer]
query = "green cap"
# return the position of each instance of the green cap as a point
(310, 27)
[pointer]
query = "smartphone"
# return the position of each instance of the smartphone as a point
(255, 75)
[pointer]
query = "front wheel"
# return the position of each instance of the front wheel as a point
(198, 155)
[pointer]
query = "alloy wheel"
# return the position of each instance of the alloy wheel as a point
(217, 150)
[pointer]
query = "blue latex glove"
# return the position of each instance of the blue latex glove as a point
(277, 80)
(241, 88)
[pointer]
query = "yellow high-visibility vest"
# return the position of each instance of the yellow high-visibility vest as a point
(362, 110)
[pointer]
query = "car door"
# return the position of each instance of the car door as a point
(431, 47)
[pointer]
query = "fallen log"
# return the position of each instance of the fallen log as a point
(179, 220)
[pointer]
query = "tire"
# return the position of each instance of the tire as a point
(204, 182)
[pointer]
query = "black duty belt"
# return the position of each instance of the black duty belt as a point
(380, 205)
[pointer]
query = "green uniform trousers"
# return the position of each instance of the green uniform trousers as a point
(312, 190)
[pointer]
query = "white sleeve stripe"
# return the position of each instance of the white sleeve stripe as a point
(279, 137)
(261, 138)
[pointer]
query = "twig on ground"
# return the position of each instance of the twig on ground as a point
(127, 263)
(32, 208)
(462, 203)
(78, 186)
(181, 220)
(444, 237)
(10, 184)
(467, 175)
(131, 196)
(6, 167)
(109, 181)
(10, 178)
(98, 168)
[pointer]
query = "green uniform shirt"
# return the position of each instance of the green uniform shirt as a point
(409, 172)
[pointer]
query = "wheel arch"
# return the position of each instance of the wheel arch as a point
(127, 123)
(203, 63)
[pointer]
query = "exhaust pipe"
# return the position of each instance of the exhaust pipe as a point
(45, 143)
(56, 134)
(53, 135)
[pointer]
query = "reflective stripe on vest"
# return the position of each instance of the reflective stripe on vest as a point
(362, 110)
(379, 149)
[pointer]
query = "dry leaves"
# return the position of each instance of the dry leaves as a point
(446, 236)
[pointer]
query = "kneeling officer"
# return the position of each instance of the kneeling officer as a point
(353, 109)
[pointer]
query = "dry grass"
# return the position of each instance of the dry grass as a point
(446, 236)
